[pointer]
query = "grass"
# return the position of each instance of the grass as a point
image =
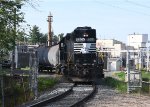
(145, 75)
(46, 83)
(120, 76)
(26, 68)
(4, 71)
(15, 91)
(117, 84)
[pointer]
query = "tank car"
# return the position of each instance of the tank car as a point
(48, 57)
(75, 55)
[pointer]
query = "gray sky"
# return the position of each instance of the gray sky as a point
(112, 19)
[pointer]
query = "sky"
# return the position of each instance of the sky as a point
(112, 19)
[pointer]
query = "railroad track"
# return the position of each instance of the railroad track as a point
(75, 96)
(57, 92)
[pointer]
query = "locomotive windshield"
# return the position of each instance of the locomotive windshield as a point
(85, 36)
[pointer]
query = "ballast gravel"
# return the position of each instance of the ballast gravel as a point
(108, 97)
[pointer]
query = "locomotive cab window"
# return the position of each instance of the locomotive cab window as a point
(85, 39)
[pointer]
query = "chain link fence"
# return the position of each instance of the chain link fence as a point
(21, 87)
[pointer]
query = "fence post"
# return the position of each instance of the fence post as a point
(2, 90)
(128, 71)
(30, 72)
(34, 73)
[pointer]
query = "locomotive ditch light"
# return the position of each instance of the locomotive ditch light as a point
(94, 60)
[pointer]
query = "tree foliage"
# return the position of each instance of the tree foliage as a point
(10, 31)
(10, 18)
(60, 36)
(55, 39)
(43, 39)
(22, 37)
(36, 37)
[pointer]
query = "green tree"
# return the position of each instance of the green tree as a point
(43, 39)
(35, 35)
(22, 37)
(55, 39)
(10, 17)
(60, 35)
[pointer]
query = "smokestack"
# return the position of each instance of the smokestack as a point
(50, 30)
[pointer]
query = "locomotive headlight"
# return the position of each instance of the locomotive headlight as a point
(85, 35)
(94, 60)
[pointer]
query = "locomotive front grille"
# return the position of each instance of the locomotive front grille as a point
(78, 47)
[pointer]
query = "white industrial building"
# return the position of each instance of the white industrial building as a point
(114, 58)
(137, 40)
(111, 44)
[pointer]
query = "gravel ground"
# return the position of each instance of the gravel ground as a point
(108, 97)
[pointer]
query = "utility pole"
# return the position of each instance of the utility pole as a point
(16, 7)
(50, 30)
(128, 71)
(147, 58)
(14, 43)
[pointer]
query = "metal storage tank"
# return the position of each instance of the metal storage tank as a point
(48, 56)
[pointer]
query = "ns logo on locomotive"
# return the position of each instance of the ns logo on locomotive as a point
(75, 55)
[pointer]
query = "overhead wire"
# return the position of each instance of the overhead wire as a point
(137, 4)
(125, 9)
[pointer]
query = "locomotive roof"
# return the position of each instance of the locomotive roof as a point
(83, 28)
(72, 33)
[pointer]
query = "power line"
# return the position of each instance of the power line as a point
(137, 4)
(125, 9)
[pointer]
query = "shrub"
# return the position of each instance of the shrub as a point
(119, 85)
(45, 83)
